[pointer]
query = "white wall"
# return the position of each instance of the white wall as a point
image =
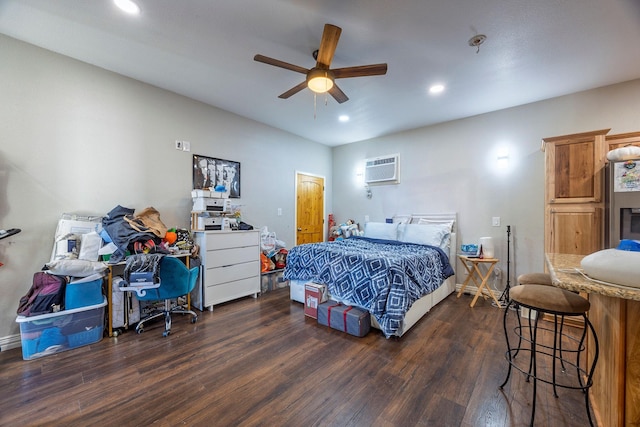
(452, 167)
(76, 138)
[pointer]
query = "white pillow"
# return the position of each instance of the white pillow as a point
(624, 153)
(381, 230)
(427, 234)
(613, 266)
(75, 267)
(90, 244)
(434, 221)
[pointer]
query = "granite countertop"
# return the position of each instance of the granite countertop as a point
(563, 275)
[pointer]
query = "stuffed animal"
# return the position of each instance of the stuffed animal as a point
(334, 232)
(281, 258)
(349, 228)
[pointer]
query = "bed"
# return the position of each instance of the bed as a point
(397, 271)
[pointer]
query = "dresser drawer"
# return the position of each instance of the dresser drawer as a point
(231, 256)
(218, 275)
(231, 290)
(232, 239)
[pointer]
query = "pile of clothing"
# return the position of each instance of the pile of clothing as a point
(142, 232)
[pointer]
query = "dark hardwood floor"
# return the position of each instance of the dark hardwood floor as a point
(262, 362)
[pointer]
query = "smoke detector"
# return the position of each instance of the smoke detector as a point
(476, 41)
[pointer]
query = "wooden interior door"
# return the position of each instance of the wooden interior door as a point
(309, 209)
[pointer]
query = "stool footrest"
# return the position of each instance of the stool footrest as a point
(573, 381)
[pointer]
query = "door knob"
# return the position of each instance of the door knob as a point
(299, 229)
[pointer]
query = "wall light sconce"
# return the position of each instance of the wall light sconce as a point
(368, 190)
(503, 159)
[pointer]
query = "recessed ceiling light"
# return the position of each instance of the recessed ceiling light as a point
(435, 89)
(343, 118)
(128, 6)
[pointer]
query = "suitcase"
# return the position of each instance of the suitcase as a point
(125, 306)
(346, 318)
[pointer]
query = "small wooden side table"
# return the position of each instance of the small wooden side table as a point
(472, 265)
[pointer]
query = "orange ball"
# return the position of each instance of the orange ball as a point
(171, 237)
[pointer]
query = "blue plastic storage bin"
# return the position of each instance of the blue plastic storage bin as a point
(83, 294)
(55, 332)
(85, 337)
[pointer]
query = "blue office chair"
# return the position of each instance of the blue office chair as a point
(176, 280)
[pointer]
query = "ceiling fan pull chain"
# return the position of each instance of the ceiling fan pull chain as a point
(314, 105)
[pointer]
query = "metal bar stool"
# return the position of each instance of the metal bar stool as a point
(542, 279)
(557, 302)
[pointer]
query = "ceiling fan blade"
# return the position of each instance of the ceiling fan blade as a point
(328, 44)
(293, 90)
(281, 64)
(338, 94)
(360, 71)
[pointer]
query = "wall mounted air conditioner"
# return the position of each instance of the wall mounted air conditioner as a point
(382, 170)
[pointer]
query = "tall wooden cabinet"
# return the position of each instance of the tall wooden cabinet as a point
(574, 224)
(623, 140)
(574, 192)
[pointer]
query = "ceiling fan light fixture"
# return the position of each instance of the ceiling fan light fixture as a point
(320, 81)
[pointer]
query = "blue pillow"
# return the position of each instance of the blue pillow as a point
(629, 245)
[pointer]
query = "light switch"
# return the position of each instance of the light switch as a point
(495, 221)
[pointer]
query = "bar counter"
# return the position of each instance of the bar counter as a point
(562, 268)
(615, 315)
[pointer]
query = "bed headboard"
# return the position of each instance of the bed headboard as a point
(436, 217)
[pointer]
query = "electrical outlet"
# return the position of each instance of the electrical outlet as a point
(279, 211)
(178, 145)
(495, 221)
(186, 146)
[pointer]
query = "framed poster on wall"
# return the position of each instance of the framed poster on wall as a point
(210, 173)
(626, 176)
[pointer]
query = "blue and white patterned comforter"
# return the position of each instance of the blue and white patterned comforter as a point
(383, 276)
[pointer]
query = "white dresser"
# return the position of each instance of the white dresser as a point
(230, 266)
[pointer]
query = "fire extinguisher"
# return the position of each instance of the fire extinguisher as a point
(331, 223)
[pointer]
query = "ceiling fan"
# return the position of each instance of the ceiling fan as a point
(321, 78)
